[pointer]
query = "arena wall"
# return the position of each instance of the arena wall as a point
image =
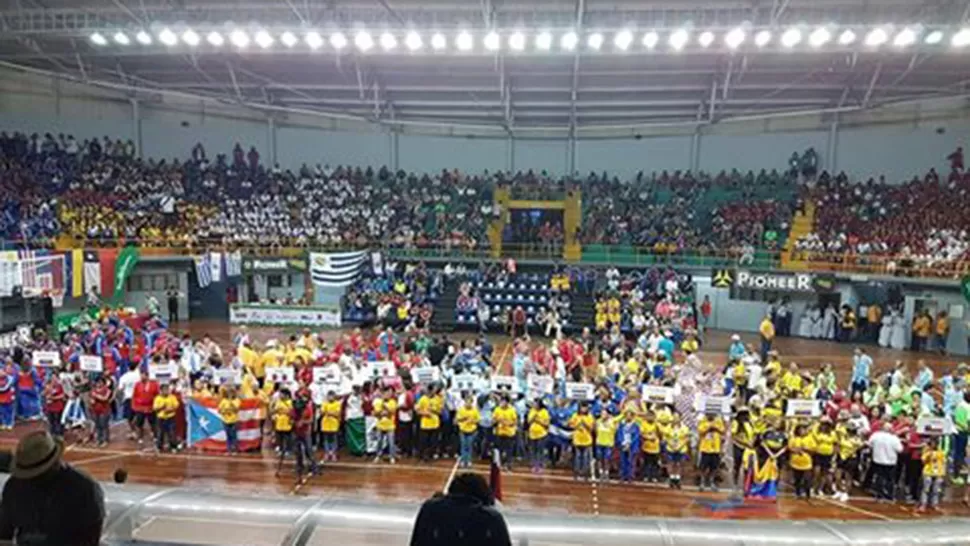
(862, 143)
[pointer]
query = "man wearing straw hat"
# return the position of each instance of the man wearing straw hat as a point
(46, 501)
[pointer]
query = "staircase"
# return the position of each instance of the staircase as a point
(444, 308)
(584, 312)
(803, 224)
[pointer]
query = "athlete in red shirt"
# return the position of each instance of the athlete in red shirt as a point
(142, 405)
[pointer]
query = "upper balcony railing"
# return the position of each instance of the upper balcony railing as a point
(592, 254)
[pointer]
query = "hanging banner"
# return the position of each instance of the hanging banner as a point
(284, 315)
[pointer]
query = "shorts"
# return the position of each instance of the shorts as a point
(140, 418)
(603, 453)
(676, 457)
(710, 461)
(822, 461)
(126, 410)
(850, 464)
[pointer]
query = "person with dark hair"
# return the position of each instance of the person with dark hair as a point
(48, 502)
(464, 515)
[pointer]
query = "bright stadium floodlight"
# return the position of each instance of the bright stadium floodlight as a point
(413, 41)
(121, 38)
(363, 41)
(706, 39)
(679, 39)
(464, 41)
(263, 39)
(167, 37)
(594, 41)
(239, 38)
(288, 39)
(934, 37)
(98, 39)
(876, 37)
(190, 37)
(313, 40)
(623, 39)
(439, 42)
(517, 41)
(338, 40)
(735, 38)
(569, 41)
(819, 37)
(650, 40)
(388, 41)
(215, 39)
(961, 38)
(905, 37)
(492, 41)
(143, 38)
(544, 41)
(762, 38)
(847, 37)
(791, 37)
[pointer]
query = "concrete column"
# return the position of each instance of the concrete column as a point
(394, 138)
(571, 154)
(271, 139)
(695, 150)
(510, 153)
(832, 147)
(136, 125)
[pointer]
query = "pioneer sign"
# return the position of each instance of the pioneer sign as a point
(781, 282)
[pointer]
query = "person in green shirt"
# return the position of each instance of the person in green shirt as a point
(961, 419)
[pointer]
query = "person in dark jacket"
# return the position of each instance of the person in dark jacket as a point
(465, 515)
(47, 502)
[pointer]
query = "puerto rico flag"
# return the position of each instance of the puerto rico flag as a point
(206, 431)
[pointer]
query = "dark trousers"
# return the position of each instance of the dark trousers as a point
(405, 438)
(914, 477)
(803, 482)
(884, 480)
(232, 437)
(173, 314)
(166, 434)
(304, 451)
(506, 445)
(102, 428)
(959, 451)
(54, 422)
(429, 443)
(765, 348)
(284, 441)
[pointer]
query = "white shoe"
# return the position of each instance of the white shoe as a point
(377, 459)
(845, 497)
(393, 461)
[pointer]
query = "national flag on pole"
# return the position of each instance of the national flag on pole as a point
(495, 475)
(234, 264)
(203, 271)
(99, 271)
(336, 268)
(215, 266)
(77, 272)
(126, 264)
(206, 430)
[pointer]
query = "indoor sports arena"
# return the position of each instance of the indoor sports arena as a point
(491, 272)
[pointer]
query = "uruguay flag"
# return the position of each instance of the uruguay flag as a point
(207, 431)
(336, 268)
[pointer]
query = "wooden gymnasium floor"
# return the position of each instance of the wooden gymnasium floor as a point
(553, 492)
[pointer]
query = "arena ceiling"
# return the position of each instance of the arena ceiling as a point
(627, 80)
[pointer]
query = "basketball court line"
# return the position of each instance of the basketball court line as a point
(99, 459)
(451, 477)
(856, 509)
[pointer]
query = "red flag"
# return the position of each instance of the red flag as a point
(495, 475)
(107, 258)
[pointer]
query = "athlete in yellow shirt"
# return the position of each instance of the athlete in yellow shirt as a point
(582, 424)
(537, 423)
(505, 420)
(385, 411)
(330, 411)
(605, 440)
(934, 471)
(850, 443)
(467, 420)
(281, 413)
(826, 445)
(710, 430)
(650, 435)
(677, 439)
(165, 406)
(429, 409)
(802, 447)
(229, 412)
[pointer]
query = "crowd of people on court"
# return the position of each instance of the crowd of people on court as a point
(629, 407)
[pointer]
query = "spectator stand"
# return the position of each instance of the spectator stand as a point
(403, 296)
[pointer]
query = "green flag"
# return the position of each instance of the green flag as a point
(126, 264)
(965, 286)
